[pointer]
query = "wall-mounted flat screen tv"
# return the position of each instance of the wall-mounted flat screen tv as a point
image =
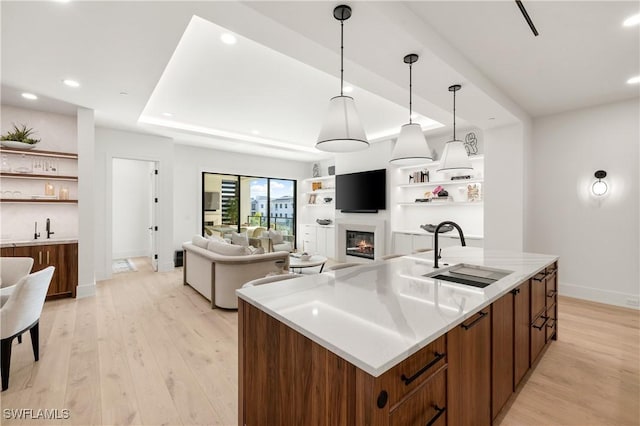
(363, 192)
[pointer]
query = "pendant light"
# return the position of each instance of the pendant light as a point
(342, 130)
(455, 157)
(411, 146)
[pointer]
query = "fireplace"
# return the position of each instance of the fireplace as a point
(360, 244)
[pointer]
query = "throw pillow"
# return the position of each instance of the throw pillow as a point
(226, 249)
(276, 237)
(255, 250)
(199, 241)
(239, 239)
(217, 238)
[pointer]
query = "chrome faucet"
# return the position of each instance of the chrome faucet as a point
(49, 233)
(436, 254)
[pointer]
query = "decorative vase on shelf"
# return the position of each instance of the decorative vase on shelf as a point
(49, 189)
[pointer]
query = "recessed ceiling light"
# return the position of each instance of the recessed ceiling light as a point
(634, 80)
(492, 118)
(228, 38)
(347, 89)
(167, 114)
(124, 93)
(71, 83)
(632, 20)
(29, 96)
(255, 132)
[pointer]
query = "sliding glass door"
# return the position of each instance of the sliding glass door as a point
(248, 204)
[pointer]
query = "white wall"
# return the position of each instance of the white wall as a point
(597, 239)
(504, 188)
(132, 196)
(112, 144)
(190, 162)
(87, 197)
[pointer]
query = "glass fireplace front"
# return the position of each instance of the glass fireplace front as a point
(360, 244)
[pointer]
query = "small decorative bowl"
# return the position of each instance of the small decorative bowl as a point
(324, 221)
(432, 228)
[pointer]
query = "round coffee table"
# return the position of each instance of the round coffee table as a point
(315, 260)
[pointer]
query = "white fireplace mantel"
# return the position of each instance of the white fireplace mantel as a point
(377, 226)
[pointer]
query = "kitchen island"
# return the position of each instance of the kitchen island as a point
(384, 344)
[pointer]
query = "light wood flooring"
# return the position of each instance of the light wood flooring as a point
(148, 350)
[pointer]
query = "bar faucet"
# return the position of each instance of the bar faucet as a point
(49, 233)
(436, 254)
(36, 234)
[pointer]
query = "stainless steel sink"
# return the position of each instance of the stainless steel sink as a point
(471, 275)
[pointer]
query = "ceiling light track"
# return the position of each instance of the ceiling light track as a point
(527, 17)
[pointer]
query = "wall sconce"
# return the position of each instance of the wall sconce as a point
(599, 187)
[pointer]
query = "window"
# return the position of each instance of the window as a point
(247, 203)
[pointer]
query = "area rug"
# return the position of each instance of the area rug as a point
(123, 265)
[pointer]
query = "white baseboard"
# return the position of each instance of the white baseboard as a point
(166, 266)
(86, 290)
(597, 295)
(130, 253)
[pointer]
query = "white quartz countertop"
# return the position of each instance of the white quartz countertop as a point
(38, 242)
(450, 234)
(378, 314)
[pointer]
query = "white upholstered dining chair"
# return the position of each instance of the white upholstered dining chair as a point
(12, 269)
(20, 312)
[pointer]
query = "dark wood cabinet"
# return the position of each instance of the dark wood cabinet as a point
(426, 406)
(502, 346)
(538, 294)
(469, 388)
(544, 324)
(64, 257)
(521, 339)
(510, 321)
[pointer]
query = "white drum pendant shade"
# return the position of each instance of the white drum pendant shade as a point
(342, 130)
(411, 146)
(454, 157)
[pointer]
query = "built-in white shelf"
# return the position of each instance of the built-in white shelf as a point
(440, 182)
(321, 178)
(436, 163)
(443, 203)
(321, 191)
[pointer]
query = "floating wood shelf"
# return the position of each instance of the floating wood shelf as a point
(37, 153)
(37, 176)
(38, 201)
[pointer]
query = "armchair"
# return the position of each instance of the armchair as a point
(21, 312)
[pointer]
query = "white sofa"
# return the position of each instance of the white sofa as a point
(217, 276)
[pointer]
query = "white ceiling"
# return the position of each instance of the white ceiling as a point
(280, 75)
(583, 55)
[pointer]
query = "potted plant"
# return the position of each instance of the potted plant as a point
(19, 138)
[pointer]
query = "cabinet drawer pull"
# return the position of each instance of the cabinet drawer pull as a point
(47, 257)
(552, 293)
(407, 380)
(540, 278)
(40, 258)
(541, 326)
(439, 412)
(476, 321)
